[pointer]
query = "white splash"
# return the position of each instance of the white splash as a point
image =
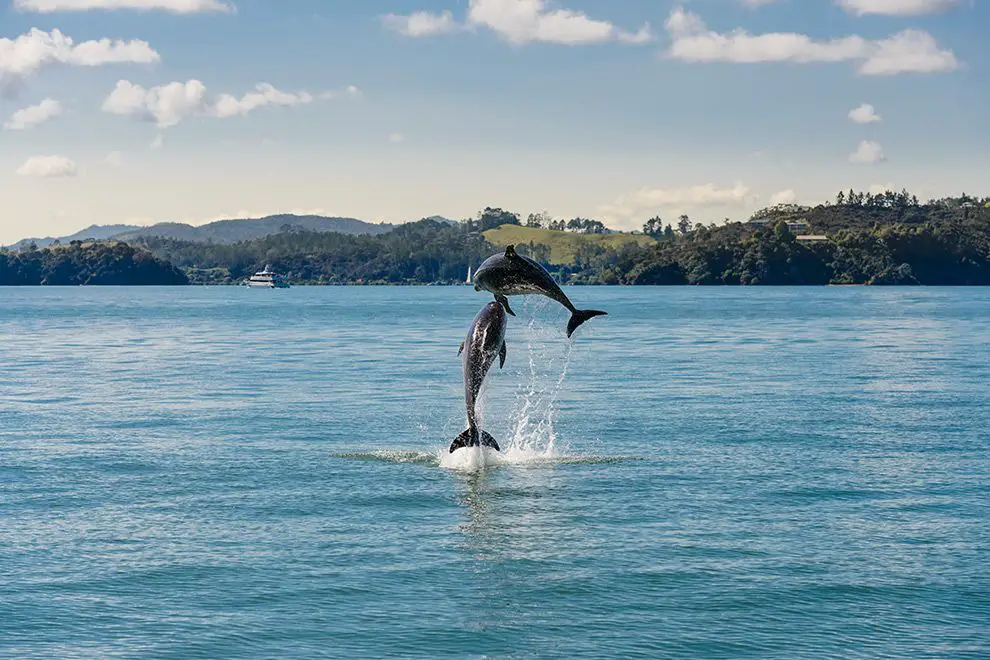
(526, 435)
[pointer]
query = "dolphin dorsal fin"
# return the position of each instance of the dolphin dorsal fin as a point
(510, 251)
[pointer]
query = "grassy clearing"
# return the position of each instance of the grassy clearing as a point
(563, 245)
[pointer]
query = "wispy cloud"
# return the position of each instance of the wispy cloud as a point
(167, 105)
(48, 167)
(174, 6)
(351, 91)
(421, 23)
(897, 7)
(519, 22)
(629, 209)
(33, 115)
(783, 197)
(880, 7)
(868, 153)
(264, 95)
(25, 55)
(909, 51)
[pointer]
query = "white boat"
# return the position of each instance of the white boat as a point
(268, 279)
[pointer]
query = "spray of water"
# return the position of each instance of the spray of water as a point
(521, 408)
(525, 424)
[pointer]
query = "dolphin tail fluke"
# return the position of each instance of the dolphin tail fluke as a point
(489, 441)
(472, 439)
(580, 316)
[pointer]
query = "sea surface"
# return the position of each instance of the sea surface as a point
(199, 472)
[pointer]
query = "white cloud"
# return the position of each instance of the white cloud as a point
(520, 22)
(526, 21)
(868, 153)
(169, 104)
(157, 142)
(881, 188)
(396, 138)
(783, 197)
(757, 3)
(909, 51)
(174, 6)
(421, 23)
(165, 104)
(33, 115)
(649, 200)
(114, 159)
(265, 94)
(864, 114)
(47, 167)
(26, 54)
(351, 91)
(897, 7)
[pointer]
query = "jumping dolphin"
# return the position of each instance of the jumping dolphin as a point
(512, 274)
(485, 340)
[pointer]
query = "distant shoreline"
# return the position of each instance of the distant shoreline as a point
(572, 284)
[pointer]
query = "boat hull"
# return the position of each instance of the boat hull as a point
(268, 285)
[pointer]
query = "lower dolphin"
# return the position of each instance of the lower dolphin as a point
(512, 274)
(484, 342)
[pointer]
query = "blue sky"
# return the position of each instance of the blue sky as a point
(397, 109)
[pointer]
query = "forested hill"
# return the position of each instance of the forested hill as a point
(232, 231)
(890, 238)
(860, 239)
(87, 263)
(419, 252)
(220, 231)
(93, 232)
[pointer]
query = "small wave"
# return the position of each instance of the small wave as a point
(478, 458)
(392, 456)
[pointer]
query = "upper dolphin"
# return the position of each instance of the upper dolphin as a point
(484, 342)
(511, 274)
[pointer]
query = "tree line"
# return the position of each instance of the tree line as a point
(93, 263)
(872, 238)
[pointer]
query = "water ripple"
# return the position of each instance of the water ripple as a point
(703, 473)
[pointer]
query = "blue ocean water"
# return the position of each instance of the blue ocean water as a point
(704, 473)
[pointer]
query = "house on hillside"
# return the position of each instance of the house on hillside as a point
(796, 226)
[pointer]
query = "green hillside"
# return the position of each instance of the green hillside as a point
(564, 246)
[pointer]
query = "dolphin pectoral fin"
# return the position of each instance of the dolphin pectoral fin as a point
(580, 316)
(501, 356)
(505, 303)
(461, 349)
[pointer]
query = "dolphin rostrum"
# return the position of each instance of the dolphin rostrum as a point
(484, 342)
(512, 274)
